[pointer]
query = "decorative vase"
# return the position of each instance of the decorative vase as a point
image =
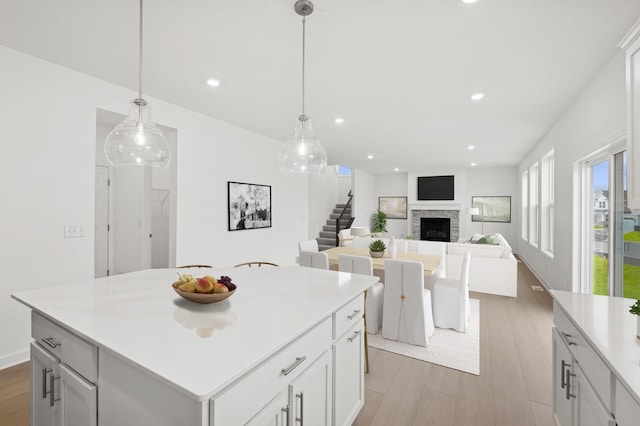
(376, 253)
(393, 249)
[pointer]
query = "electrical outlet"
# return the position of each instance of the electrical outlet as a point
(74, 231)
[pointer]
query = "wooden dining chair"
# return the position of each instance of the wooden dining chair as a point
(193, 266)
(258, 264)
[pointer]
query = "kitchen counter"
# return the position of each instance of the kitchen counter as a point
(197, 349)
(610, 329)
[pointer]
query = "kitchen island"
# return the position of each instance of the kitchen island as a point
(147, 356)
(596, 360)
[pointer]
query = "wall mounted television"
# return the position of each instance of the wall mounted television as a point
(435, 188)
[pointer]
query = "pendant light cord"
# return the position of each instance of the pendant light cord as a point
(304, 20)
(140, 59)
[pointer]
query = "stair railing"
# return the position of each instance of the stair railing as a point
(339, 219)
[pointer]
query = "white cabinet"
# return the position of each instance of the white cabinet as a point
(59, 395)
(275, 413)
(562, 367)
(348, 360)
(588, 409)
(631, 46)
(310, 394)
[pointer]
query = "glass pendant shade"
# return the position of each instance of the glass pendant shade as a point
(302, 152)
(137, 141)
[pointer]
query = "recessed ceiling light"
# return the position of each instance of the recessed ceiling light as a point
(339, 120)
(370, 157)
(473, 164)
(213, 82)
(477, 96)
(396, 169)
(469, 1)
(470, 147)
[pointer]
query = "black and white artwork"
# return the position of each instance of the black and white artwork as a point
(249, 206)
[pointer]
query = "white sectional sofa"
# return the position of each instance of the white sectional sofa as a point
(493, 267)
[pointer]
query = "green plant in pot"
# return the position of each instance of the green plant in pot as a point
(379, 221)
(377, 248)
(635, 310)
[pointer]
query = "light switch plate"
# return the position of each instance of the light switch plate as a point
(74, 231)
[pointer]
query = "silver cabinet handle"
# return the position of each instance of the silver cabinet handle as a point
(566, 337)
(301, 418)
(52, 380)
(350, 339)
(563, 383)
(286, 411)
(49, 341)
(353, 315)
(299, 360)
(45, 371)
(569, 395)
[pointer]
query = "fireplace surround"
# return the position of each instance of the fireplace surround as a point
(452, 215)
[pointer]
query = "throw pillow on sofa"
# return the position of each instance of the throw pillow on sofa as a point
(487, 239)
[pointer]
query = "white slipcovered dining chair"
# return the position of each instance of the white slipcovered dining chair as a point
(314, 259)
(407, 305)
(362, 242)
(436, 248)
(451, 300)
(309, 245)
(372, 299)
(344, 237)
(373, 306)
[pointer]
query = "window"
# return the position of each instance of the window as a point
(525, 205)
(533, 205)
(343, 170)
(610, 243)
(546, 203)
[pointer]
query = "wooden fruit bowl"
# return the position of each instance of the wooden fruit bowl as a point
(204, 297)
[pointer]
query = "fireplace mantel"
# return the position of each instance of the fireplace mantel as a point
(435, 206)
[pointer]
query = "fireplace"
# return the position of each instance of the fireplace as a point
(435, 228)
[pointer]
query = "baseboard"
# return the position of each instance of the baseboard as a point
(13, 359)
(535, 274)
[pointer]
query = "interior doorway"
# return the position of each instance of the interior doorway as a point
(135, 214)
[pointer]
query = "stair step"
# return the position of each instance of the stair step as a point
(328, 234)
(323, 247)
(326, 241)
(330, 228)
(343, 223)
(337, 215)
(338, 211)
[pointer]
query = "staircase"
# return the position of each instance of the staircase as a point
(327, 238)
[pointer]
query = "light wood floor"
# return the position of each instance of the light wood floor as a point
(513, 388)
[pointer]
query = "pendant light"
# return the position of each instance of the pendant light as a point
(137, 141)
(302, 152)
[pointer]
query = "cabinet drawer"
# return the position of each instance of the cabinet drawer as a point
(74, 351)
(627, 410)
(242, 400)
(596, 371)
(345, 317)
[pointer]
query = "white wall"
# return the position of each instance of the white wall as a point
(49, 130)
(393, 185)
(597, 116)
(365, 202)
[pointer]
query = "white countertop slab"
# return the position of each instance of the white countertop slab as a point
(609, 327)
(199, 349)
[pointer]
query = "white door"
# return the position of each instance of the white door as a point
(310, 394)
(101, 227)
(44, 388)
(275, 413)
(562, 366)
(78, 399)
(589, 411)
(348, 376)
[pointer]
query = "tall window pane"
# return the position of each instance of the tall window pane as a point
(525, 205)
(533, 205)
(599, 244)
(630, 242)
(546, 204)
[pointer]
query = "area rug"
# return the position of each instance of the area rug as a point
(460, 351)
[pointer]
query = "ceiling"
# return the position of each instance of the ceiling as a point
(400, 72)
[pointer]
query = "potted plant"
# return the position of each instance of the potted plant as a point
(377, 248)
(379, 221)
(635, 309)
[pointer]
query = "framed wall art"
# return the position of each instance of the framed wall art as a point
(249, 206)
(492, 209)
(393, 207)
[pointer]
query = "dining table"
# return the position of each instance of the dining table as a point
(430, 262)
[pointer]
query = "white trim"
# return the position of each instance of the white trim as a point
(14, 359)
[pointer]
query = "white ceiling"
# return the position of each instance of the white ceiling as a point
(400, 72)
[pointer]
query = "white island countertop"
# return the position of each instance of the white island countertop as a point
(609, 327)
(198, 349)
